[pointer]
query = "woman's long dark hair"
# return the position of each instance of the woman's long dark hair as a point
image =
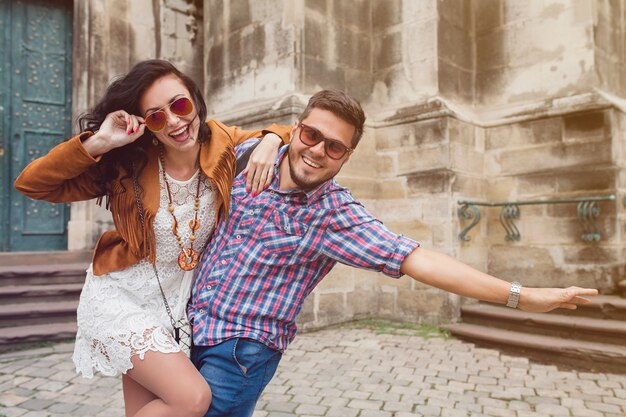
(125, 93)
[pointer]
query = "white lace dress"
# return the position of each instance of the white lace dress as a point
(122, 314)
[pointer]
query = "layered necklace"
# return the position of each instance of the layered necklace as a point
(188, 258)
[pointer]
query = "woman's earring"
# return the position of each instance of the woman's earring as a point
(155, 142)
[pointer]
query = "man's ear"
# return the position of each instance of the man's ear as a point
(293, 130)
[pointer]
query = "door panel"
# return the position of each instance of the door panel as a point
(39, 99)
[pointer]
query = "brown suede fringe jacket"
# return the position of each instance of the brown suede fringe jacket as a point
(68, 173)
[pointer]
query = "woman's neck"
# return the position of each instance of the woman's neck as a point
(181, 165)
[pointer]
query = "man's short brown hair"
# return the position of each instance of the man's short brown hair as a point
(342, 106)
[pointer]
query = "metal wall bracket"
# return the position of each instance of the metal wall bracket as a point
(588, 212)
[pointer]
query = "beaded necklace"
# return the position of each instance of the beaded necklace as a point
(188, 258)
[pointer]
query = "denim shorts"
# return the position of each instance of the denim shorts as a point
(237, 371)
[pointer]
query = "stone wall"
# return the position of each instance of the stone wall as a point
(486, 100)
(610, 46)
(531, 50)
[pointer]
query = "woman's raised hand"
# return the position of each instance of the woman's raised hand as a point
(118, 129)
(260, 169)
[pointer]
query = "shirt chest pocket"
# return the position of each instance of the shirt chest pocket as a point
(282, 234)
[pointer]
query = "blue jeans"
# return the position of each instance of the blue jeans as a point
(237, 371)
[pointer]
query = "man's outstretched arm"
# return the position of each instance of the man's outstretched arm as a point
(446, 273)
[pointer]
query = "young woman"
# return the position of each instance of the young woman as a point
(166, 176)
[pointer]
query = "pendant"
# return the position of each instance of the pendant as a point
(188, 259)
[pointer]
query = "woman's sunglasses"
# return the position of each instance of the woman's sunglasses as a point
(156, 120)
(333, 148)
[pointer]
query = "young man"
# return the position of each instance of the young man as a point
(277, 246)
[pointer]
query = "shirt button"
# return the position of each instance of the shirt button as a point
(208, 287)
(224, 261)
(238, 236)
(251, 212)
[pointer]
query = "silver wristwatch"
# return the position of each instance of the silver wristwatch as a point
(516, 289)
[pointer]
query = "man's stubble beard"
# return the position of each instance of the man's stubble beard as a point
(302, 183)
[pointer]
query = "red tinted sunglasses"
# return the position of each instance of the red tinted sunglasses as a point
(333, 148)
(156, 120)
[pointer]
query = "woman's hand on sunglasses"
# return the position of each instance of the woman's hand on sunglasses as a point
(260, 169)
(118, 129)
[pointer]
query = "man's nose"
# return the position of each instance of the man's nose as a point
(319, 149)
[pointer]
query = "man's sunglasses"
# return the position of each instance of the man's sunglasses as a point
(311, 137)
(156, 120)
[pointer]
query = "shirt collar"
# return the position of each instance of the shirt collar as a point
(310, 195)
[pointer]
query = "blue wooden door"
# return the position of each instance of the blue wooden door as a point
(35, 88)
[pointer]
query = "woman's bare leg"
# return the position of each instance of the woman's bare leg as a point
(172, 387)
(135, 396)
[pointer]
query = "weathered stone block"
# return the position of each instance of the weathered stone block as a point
(419, 159)
(306, 317)
(361, 188)
(359, 84)
(215, 68)
(425, 132)
(490, 51)
(332, 308)
(593, 180)
(469, 187)
(315, 37)
(435, 181)
(353, 48)
(488, 15)
(340, 278)
(317, 5)
(426, 306)
(386, 13)
(355, 13)
(586, 126)
(547, 157)
(525, 133)
(466, 159)
(319, 75)
(462, 132)
(387, 164)
(595, 254)
(532, 185)
(253, 45)
(549, 230)
(457, 13)
(455, 46)
(501, 188)
(423, 40)
(387, 50)
(489, 86)
(390, 189)
(239, 15)
(361, 305)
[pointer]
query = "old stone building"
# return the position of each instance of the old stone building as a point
(489, 101)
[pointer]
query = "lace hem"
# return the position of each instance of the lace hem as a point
(112, 356)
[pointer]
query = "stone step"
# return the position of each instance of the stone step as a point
(45, 258)
(26, 314)
(12, 294)
(573, 353)
(15, 338)
(611, 307)
(34, 274)
(559, 325)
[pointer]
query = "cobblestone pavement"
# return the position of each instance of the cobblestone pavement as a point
(346, 372)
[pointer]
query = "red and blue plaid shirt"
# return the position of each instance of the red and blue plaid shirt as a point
(274, 249)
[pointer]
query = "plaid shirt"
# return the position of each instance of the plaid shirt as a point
(274, 249)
